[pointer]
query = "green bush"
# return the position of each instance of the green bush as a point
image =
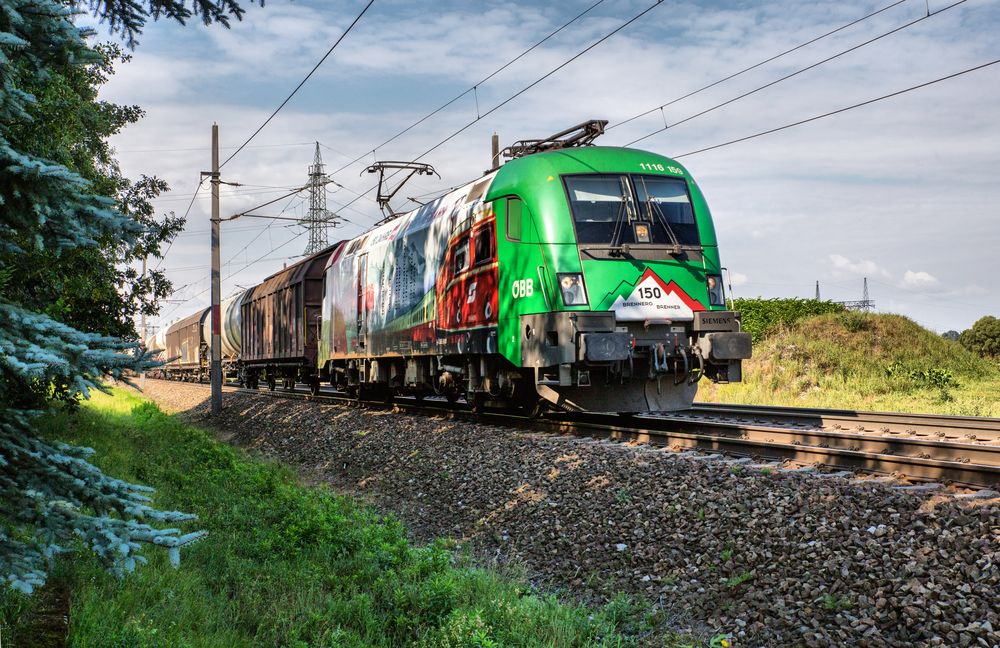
(761, 316)
(983, 338)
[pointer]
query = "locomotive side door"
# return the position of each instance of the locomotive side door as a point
(362, 309)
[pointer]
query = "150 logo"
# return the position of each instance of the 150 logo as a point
(523, 288)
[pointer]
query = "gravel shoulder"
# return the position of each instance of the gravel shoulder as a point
(775, 559)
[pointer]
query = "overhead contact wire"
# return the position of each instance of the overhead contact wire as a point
(524, 89)
(541, 78)
(757, 65)
(840, 110)
(471, 88)
(301, 83)
(799, 71)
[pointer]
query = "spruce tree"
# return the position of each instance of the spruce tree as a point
(51, 497)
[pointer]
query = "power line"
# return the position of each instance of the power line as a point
(472, 88)
(206, 148)
(283, 210)
(758, 64)
(840, 110)
(797, 72)
(542, 78)
(232, 194)
(186, 212)
(301, 83)
(523, 90)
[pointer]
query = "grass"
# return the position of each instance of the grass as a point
(286, 565)
(864, 361)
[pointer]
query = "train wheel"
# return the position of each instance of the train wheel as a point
(271, 383)
(314, 386)
(451, 395)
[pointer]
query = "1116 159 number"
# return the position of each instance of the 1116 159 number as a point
(656, 166)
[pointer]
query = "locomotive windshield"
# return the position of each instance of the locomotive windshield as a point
(631, 209)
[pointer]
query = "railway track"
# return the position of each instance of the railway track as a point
(964, 451)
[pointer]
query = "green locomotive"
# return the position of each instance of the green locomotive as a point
(587, 278)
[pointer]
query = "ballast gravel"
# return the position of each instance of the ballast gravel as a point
(769, 558)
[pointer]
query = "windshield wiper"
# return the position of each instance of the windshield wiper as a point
(619, 230)
(652, 207)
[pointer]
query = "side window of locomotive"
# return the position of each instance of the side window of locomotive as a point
(600, 208)
(664, 203)
(514, 218)
(484, 246)
(460, 260)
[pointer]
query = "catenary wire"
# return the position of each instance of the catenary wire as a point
(760, 63)
(797, 72)
(541, 78)
(840, 110)
(472, 88)
(521, 91)
(301, 83)
(187, 211)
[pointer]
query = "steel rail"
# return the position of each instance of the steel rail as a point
(965, 464)
(936, 425)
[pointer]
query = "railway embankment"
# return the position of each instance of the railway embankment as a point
(771, 558)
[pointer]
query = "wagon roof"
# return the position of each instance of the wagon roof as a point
(194, 318)
(310, 267)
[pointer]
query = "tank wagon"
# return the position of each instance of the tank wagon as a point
(585, 278)
(230, 334)
(280, 325)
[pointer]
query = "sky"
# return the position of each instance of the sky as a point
(904, 191)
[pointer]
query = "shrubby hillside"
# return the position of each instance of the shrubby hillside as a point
(863, 361)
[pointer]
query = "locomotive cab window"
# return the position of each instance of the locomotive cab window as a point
(600, 207)
(484, 246)
(631, 209)
(460, 261)
(664, 203)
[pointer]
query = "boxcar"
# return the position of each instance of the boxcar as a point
(280, 322)
(186, 349)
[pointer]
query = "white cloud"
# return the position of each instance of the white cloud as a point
(843, 266)
(738, 279)
(919, 280)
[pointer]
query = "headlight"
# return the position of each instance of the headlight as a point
(715, 295)
(574, 293)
